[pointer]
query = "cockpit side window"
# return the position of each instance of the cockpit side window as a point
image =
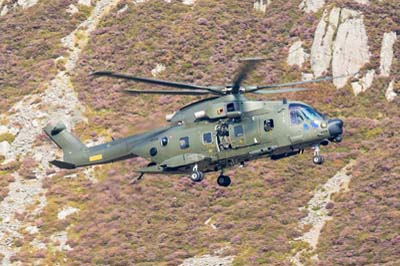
(295, 117)
(299, 113)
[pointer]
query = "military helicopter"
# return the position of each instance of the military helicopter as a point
(211, 134)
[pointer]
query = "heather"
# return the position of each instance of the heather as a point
(28, 50)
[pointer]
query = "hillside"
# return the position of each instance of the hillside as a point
(286, 212)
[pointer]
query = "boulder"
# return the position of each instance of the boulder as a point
(72, 9)
(4, 148)
(307, 76)
(297, 55)
(363, 83)
(389, 38)
(261, 5)
(157, 70)
(188, 2)
(362, 2)
(85, 2)
(311, 5)
(26, 3)
(66, 211)
(390, 93)
(4, 11)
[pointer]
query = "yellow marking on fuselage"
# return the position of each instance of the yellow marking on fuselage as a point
(96, 157)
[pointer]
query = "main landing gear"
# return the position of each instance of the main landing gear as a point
(317, 159)
(223, 180)
(197, 176)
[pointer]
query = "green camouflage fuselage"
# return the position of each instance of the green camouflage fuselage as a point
(211, 134)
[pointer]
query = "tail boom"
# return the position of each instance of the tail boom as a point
(76, 154)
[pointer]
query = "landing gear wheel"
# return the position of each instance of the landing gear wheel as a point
(338, 139)
(224, 180)
(318, 159)
(197, 176)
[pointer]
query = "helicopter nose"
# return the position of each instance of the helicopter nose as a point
(335, 127)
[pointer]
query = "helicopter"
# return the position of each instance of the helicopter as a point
(211, 134)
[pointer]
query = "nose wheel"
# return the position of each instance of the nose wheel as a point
(196, 175)
(317, 159)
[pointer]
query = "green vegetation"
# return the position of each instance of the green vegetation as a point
(7, 137)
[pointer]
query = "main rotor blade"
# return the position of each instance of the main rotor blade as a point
(166, 92)
(280, 90)
(255, 88)
(214, 90)
(243, 71)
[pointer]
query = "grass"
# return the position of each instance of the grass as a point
(7, 137)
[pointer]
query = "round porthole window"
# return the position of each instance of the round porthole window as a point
(164, 141)
(153, 151)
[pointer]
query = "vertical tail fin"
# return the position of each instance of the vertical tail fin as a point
(65, 141)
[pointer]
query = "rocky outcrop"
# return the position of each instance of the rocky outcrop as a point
(4, 148)
(27, 3)
(261, 5)
(362, 2)
(311, 5)
(389, 38)
(318, 213)
(3, 11)
(363, 83)
(321, 50)
(157, 70)
(30, 115)
(208, 260)
(66, 212)
(188, 2)
(297, 55)
(85, 2)
(72, 9)
(390, 93)
(9, 5)
(341, 41)
(350, 49)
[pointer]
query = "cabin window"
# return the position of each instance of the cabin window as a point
(268, 125)
(230, 107)
(238, 131)
(164, 141)
(153, 151)
(184, 142)
(207, 138)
